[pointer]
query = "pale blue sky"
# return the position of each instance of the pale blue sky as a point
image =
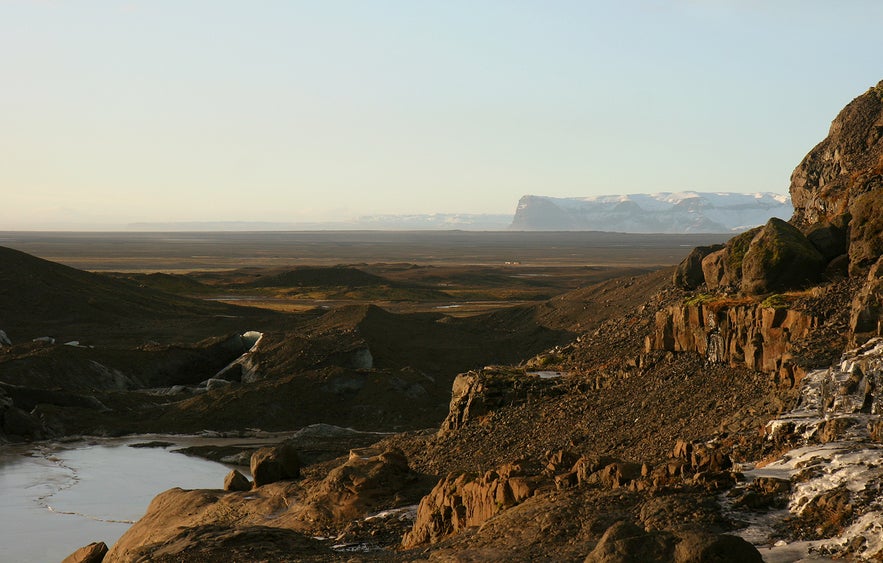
(158, 110)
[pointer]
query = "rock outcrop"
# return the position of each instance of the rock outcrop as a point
(845, 165)
(478, 392)
(179, 521)
(752, 335)
(866, 315)
(837, 191)
(462, 501)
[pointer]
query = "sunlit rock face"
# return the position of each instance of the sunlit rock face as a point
(844, 165)
(678, 212)
(840, 181)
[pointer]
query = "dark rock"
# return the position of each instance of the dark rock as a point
(689, 273)
(779, 258)
(828, 239)
(16, 422)
(697, 547)
(236, 481)
(275, 463)
(838, 268)
(625, 542)
(92, 553)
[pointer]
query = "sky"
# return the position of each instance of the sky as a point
(114, 112)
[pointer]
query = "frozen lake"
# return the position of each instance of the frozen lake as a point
(55, 498)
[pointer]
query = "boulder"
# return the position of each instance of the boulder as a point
(713, 270)
(625, 542)
(699, 547)
(92, 553)
(734, 255)
(275, 463)
(779, 258)
(689, 273)
(236, 481)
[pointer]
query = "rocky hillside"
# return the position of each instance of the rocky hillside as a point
(681, 212)
(708, 413)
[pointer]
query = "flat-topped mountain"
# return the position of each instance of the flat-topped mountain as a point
(664, 212)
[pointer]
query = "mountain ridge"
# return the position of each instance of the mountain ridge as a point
(661, 212)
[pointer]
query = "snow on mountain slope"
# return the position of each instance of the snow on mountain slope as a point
(664, 212)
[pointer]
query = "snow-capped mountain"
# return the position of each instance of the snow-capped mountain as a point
(664, 212)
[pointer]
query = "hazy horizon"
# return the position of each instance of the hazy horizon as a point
(314, 112)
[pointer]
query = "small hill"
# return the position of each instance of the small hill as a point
(43, 298)
(337, 276)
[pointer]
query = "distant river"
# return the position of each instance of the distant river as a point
(55, 498)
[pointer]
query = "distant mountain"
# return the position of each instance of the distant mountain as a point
(664, 212)
(414, 222)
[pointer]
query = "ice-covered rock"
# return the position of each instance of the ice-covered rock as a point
(243, 369)
(4, 340)
(836, 471)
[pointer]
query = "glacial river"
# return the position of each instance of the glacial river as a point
(55, 498)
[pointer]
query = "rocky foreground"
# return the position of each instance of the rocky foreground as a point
(731, 413)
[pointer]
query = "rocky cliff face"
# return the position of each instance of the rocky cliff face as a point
(836, 229)
(752, 335)
(845, 165)
(841, 179)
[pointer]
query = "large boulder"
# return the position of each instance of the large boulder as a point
(723, 268)
(689, 273)
(275, 463)
(779, 258)
(698, 547)
(625, 542)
